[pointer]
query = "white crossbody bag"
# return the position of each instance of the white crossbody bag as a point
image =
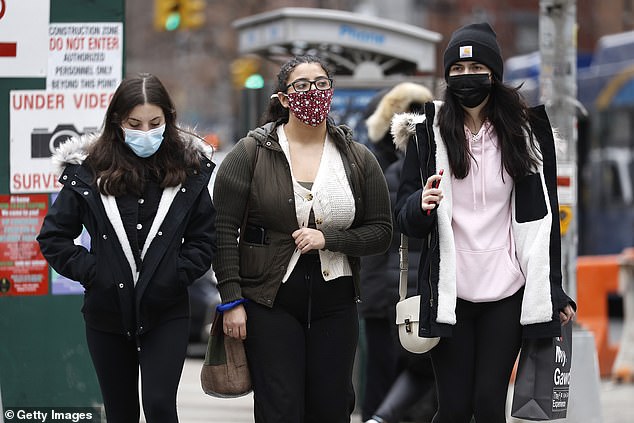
(408, 310)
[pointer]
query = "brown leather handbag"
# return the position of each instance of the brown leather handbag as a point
(225, 373)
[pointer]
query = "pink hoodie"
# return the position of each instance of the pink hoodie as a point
(486, 266)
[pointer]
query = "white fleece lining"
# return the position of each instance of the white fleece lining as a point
(164, 205)
(532, 240)
(447, 291)
(110, 205)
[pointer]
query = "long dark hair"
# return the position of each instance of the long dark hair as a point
(116, 168)
(277, 112)
(509, 115)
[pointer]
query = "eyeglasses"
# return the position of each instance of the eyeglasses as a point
(302, 85)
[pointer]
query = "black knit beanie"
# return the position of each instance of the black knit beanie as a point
(475, 42)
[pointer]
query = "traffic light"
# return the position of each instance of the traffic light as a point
(166, 15)
(254, 82)
(192, 13)
(245, 72)
(170, 15)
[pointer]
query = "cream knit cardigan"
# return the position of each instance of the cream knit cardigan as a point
(330, 199)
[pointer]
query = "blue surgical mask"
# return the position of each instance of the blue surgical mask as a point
(143, 143)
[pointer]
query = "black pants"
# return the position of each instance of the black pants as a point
(161, 359)
(413, 393)
(382, 363)
(301, 352)
(473, 366)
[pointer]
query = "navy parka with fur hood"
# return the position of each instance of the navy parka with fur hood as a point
(535, 225)
(119, 298)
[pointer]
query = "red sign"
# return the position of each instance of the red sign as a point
(23, 269)
(8, 49)
(563, 181)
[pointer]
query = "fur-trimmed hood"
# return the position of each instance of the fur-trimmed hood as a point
(75, 149)
(404, 126)
(397, 100)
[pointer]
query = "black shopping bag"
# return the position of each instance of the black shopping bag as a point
(542, 382)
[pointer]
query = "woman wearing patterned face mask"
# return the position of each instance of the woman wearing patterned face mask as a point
(306, 201)
(140, 190)
(490, 269)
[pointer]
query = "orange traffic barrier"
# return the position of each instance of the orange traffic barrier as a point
(623, 369)
(597, 277)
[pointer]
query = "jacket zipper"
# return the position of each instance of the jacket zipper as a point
(434, 233)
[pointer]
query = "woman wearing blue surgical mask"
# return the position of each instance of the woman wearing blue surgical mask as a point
(140, 190)
(144, 143)
(478, 185)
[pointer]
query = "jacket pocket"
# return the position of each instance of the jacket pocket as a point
(167, 282)
(530, 203)
(486, 275)
(253, 260)
(90, 274)
(102, 294)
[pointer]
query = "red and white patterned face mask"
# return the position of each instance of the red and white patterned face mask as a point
(311, 107)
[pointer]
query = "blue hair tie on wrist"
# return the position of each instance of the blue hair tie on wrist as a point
(228, 306)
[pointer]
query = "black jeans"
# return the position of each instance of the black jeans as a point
(301, 352)
(117, 362)
(413, 393)
(473, 367)
(382, 362)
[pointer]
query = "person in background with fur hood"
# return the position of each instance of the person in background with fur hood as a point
(140, 190)
(490, 270)
(395, 379)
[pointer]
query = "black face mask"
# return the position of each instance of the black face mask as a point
(470, 89)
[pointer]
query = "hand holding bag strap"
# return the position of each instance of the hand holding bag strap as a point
(225, 372)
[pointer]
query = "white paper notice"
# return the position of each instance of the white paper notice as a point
(85, 56)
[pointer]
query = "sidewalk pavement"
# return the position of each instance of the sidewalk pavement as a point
(617, 402)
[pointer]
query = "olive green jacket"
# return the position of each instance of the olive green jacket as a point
(255, 270)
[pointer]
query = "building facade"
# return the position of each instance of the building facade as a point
(196, 65)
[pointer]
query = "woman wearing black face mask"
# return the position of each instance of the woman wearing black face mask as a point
(490, 269)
